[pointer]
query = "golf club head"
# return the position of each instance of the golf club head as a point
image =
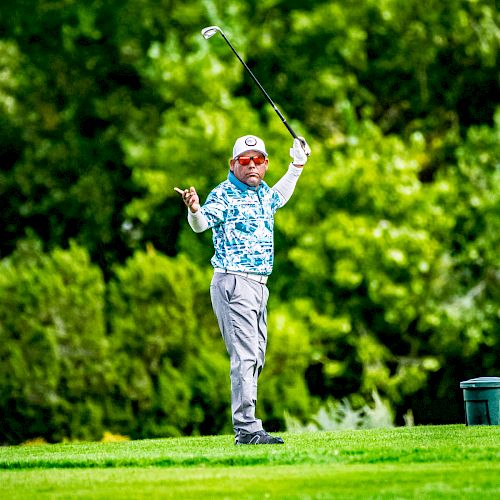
(210, 31)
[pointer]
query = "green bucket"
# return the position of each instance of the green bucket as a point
(482, 400)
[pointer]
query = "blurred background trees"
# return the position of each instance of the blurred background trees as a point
(387, 271)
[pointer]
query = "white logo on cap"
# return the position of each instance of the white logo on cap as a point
(250, 141)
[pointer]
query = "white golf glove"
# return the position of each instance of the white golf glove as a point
(300, 151)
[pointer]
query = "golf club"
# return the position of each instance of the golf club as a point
(209, 32)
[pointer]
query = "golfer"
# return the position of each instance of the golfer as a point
(240, 211)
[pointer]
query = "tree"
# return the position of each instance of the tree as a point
(386, 255)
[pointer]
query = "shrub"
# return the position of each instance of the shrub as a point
(53, 348)
(168, 354)
(340, 415)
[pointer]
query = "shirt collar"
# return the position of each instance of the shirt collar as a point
(241, 185)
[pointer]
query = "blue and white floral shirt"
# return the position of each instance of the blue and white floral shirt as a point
(242, 222)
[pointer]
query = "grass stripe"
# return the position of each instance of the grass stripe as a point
(365, 481)
(399, 445)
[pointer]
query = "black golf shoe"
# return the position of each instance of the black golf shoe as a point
(259, 437)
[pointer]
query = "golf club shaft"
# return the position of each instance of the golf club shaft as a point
(278, 112)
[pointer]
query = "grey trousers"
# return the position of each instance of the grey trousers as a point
(240, 306)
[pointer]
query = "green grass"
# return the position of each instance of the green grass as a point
(419, 462)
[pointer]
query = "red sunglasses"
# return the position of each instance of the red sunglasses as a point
(245, 160)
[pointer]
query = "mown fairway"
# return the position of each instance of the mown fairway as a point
(420, 462)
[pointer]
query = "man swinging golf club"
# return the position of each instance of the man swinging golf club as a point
(240, 211)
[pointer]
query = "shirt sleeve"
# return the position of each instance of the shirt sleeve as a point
(197, 221)
(286, 185)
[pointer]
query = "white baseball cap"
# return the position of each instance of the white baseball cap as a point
(248, 143)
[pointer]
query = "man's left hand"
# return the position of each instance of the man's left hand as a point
(300, 151)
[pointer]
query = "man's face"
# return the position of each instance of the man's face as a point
(252, 173)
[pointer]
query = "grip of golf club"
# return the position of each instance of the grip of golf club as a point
(294, 135)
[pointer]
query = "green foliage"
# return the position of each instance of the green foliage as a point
(340, 415)
(387, 270)
(469, 306)
(53, 347)
(282, 384)
(364, 253)
(372, 247)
